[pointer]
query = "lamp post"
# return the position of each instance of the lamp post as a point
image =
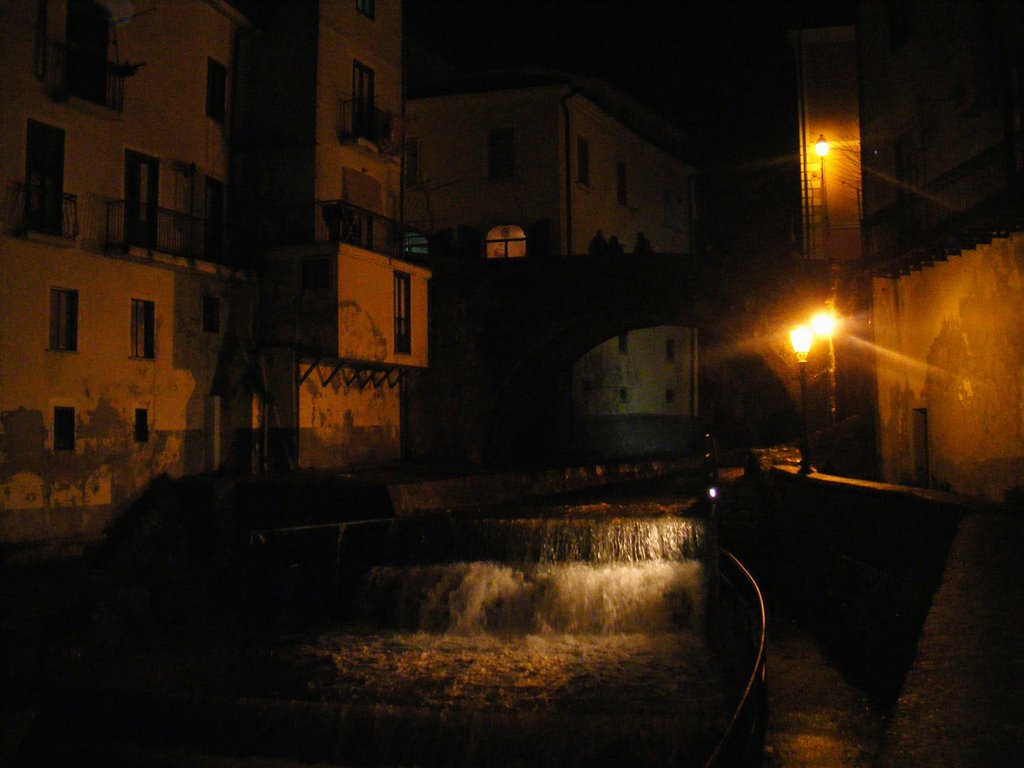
(824, 324)
(821, 149)
(801, 337)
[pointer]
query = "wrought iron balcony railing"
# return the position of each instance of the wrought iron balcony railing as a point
(70, 71)
(337, 221)
(981, 195)
(47, 210)
(172, 232)
(360, 119)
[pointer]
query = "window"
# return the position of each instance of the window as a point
(670, 395)
(315, 274)
(63, 319)
(623, 343)
(623, 395)
(213, 209)
(412, 161)
(143, 316)
(403, 307)
(366, 7)
(88, 36)
(216, 90)
(901, 14)
(211, 314)
(363, 97)
(44, 178)
(620, 183)
(670, 349)
(141, 425)
(141, 190)
(582, 160)
(501, 157)
(63, 428)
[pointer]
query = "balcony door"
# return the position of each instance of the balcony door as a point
(88, 35)
(141, 185)
(44, 178)
(362, 101)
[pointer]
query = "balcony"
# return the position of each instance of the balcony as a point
(69, 71)
(955, 210)
(336, 221)
(360, 119)
(47, 211)
(172, 232)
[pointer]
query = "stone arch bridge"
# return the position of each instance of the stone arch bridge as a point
(504, 336)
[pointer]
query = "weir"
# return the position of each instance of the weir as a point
(560, 641)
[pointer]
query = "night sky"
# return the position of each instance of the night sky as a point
(720, 69)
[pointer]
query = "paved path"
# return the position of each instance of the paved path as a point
(815, 717)
(962, 703)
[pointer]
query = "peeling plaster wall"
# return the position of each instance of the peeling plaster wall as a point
(47, 493)
(949, 340)
(342, 425)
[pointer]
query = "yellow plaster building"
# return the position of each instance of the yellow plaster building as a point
(122, 323)
(343, 289)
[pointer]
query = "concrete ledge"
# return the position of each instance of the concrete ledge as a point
(424, 496)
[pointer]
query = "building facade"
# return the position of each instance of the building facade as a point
(556, 156)
(542, 167)
(943, 154)
(637, 394)
(343, 288)
(123, 317)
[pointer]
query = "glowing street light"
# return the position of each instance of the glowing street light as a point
(821, 146)
(801, 338)
(824, 325)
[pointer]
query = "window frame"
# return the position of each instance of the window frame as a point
(402, 285)
(63, 320)
(216, 90)
(411, 162)
(582, 160)
(143, 329)
(621, 186)
(501, 153)
(367, 8)
(211, 314)
(64, 419)
(140, 431)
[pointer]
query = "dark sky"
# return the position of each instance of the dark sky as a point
(719, 69)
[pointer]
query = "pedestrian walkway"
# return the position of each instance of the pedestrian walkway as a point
(816, 718)
(962, 700)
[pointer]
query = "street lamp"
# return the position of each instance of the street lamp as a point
(821, 149)
(824, 324)
(801, 337)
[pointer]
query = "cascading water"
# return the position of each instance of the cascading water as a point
(522, 642)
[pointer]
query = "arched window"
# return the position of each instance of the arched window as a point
(506, 242)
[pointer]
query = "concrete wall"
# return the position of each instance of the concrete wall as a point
(49, 493)
(193, 390)
(948, 342)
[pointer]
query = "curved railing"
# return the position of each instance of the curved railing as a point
(741, 614)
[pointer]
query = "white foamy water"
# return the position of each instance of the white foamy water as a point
(576, 598)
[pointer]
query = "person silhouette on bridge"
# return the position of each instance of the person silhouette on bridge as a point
(615, 247)
(642, 246)
(598, 245)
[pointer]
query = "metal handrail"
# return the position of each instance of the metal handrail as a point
(71, 71)
(361, 119)
(742, 743)
(48, 211)
(338, 221)
(167, 231)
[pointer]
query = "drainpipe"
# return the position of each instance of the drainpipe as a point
(568, 170)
